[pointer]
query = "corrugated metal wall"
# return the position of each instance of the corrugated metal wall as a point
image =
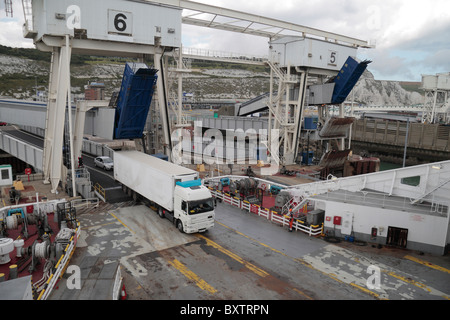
(420, 135)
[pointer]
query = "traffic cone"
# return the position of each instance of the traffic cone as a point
(123, 294)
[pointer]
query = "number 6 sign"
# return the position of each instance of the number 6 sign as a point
(120, 22)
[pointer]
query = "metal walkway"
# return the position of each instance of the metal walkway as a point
(12, 141)
(433, 186)
(254, 105)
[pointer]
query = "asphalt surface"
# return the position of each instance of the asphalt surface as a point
(105, 178)
(245, 257)
(22, 135)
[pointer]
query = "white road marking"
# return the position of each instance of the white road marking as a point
(351, 268)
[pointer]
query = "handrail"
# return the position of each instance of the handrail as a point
(385, 201)
(274, 216)
(79, 203)
(100, 190)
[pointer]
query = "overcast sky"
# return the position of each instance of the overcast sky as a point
(412, 37)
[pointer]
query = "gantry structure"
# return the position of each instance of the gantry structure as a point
(140, 28)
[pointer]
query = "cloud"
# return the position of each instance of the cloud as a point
(437, 62)
(426, 52)
(386, 65)
(411, 35)
(11, 27)
(14, 37)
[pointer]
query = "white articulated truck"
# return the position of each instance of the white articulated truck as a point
(175, 191)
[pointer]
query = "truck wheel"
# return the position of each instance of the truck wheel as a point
(160, 212)
(180, 226)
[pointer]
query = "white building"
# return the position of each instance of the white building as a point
(384, 208)
(388, 220)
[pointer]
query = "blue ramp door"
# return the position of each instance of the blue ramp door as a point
(134, 100)
(347, 78)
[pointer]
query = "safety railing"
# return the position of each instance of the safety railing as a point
(58, 270)
(273, 216)
(85, 203)
(100, 191)
(223, 55)
(97, 148)
(61, 265)
(386, 201)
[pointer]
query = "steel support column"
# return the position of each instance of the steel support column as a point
(162, 101)
(56, 110)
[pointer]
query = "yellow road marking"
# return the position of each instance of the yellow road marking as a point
(269, 247)
(260, 243)
(305, 264)
(122, 222)
(302, 293)
(249, 265)
(366, 291)
(202, 284)
(416, 283)
(426, 263)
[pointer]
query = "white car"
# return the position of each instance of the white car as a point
(104, 162)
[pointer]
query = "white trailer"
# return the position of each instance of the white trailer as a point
(176, 191)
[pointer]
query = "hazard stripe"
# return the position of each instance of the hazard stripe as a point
(202, 284)
(234, 256)
(426, 263)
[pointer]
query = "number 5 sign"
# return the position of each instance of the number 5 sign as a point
(120, 22)
(332, 60)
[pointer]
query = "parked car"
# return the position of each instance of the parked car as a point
(104, 162)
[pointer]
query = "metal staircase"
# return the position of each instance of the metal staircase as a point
(286, 105)
(183, 65)
(275, 106)
(430, 191)
(434, 186)
(8, 8)
(293, 205)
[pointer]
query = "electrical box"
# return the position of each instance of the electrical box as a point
(429, 81)
(373, 233)
(320, 93)
(308, 52)
(439, 81)
(135, 22)
(337, 220)
(310, 123)
(315, 217)
(6, 177)
(443, 82)
(307, 157)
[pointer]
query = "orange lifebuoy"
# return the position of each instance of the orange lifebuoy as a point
(263, 187)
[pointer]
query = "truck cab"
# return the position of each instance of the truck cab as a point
(193, 207)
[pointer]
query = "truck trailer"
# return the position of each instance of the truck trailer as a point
(175, 191)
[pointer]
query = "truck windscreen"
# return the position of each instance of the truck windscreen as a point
(200, 206)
